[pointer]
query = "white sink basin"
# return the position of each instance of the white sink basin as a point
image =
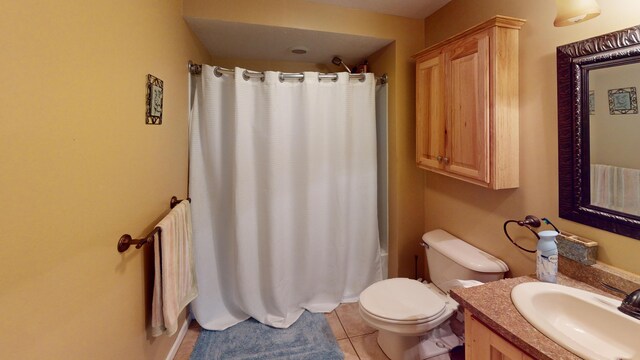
(587, 324)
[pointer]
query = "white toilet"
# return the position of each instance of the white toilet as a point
(403, 310)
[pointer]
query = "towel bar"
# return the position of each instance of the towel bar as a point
(126, 240)
(174, 201)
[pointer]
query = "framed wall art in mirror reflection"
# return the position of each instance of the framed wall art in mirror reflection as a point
(592, 102)
(623, 101)
(155, 91)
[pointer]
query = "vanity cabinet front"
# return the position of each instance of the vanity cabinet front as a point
(467, 105)
(481, 343)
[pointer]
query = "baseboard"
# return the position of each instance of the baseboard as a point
(180, 337)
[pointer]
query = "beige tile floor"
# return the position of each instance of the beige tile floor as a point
(356, 339)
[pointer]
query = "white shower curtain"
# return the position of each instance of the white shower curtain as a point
(283, 186)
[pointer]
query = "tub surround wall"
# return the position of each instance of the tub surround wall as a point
(477, 214)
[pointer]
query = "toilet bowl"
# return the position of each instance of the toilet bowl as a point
(403, 310)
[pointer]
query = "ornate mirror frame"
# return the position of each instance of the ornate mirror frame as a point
(574, 61)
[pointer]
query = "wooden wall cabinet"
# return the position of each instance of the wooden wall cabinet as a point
(467, 105)
(481, 343)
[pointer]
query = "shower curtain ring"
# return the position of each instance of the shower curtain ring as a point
(334, 78)
(216, 71)
(322, 76)
(245, 75)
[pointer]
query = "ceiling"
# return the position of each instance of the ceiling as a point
(415, 9)
(233, 40)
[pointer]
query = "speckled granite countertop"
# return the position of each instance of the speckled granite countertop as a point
(491, 304)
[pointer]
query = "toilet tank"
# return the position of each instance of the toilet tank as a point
(450, 259)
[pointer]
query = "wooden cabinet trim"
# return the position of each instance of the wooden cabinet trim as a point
(429, 105)
(496, 21)
(483, 343)
(468, 155)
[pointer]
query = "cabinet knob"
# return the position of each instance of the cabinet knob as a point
(439, 158)
(446, 160)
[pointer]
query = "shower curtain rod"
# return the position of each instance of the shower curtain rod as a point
(196, 69)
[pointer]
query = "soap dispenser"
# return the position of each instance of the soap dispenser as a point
(547, 256)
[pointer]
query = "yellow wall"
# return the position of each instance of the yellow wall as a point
(79, 168)
(405, 189)
(477, 214)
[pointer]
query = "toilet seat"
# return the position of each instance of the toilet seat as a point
(401, 301)
(402, 322)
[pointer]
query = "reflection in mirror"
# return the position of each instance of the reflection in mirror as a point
(614, 143)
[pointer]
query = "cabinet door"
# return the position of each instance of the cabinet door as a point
(429, 112)
(467, 107)
(483, 344)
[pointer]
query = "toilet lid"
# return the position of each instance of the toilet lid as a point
(401, 299)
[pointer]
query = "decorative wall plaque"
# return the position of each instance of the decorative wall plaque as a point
(155, 91)
(623, 101)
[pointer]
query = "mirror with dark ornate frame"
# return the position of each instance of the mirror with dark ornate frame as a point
(594, 189)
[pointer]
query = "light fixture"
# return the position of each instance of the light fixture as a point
(299, 50)
(571, 12)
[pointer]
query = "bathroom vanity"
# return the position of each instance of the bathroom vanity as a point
(494, 328)
(484, 343)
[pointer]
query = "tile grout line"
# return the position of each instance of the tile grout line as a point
(347, 335)
(341, 325)
(354, 348)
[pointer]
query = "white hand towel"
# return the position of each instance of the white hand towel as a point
(174, 285)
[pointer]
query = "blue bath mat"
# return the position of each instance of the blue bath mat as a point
(309, 338)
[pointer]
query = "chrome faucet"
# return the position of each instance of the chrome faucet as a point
(631, 303)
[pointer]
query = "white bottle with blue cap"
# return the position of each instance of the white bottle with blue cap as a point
(547, 256)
